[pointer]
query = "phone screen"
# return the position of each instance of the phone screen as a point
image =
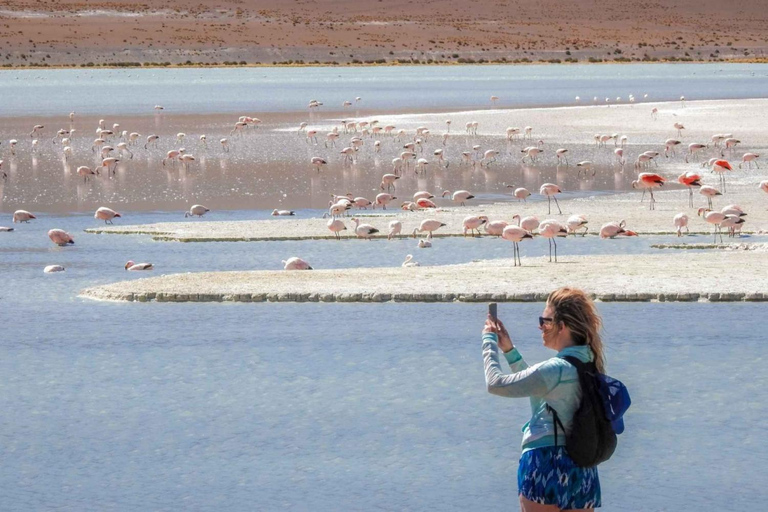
(492, 308)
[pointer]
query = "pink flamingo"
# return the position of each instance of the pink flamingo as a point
(395, 228)
(681, 221)
(720, 167)
(515, 234)
(424, 203)
(496, 227)
(428, 225)
(423, 194)
(648, 181)
(562, 154)
(709, 193)
(365, 231)
(549, 190)
(473, 223)
(133, 267)
(689, 180)
(764, 186)
(669, 147)
(197, 210)
(85, 172)
(22, 216)
(551, 229)
(296, 264)
(527, 223)
(383, 200)
(60, 237)
(459, 196)
(748, 158)
(318, 163)
(614, 229)
(576, 222)
(714, 218)
(106, 214)
(520, 193)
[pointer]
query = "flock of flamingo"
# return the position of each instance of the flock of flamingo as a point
(409, 157)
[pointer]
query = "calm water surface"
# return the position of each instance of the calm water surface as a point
(253, 90)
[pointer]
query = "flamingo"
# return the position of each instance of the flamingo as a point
(364, 230)
(586, 166)
(338, 208)
(122, 147)
(550, 190)
(693, 149)
(196, 210)
(690, 180)
(709, 193)
(362, 202)
(669, 146)
(85, 172)
(302, 127)
(551, 229)
(520, 193)
(648, 181)
(224, 144)
(576, 222)
(496, 227)
(106, 214)
(654, 113)
(679, 127)
(714, 218)
(424, 203)
(459, 196)
(318, 163)
(110, 164)
(614, 229)
(171, 155)
(764, 186)
(489, 156)
(12, 143)
(619, 152)
(428, 225)
(515, 234)
(383, 200)
(60, 237)
(22, 216)
(421, 166)
(423, 194)
(349, 154)
(152, 140)
(186, 160)
(409, 262)
(336, 226)
(748, 158)
(473, 223)
(562, 153)
(732, 223)
(134, 267)
(296, 264)
(282, 213)
(395, 228)
(494, 99)
(38, 129)
(681, 221)
(532, 152)
(512, 133)
(527, 223)
(720, 167)
(50, 269)
(424, 244)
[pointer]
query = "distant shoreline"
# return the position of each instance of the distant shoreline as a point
(289, 64)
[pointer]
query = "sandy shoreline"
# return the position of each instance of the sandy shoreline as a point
(659, 277)
(348, 32)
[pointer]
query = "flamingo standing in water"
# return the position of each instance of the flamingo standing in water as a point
(296, 263)
(409, 262)
(395, 228)
(681, 221)
(551, 229)
(689, 180)
(693, 150)
(22, 216)
(383, 200)
(197, 210)
(318, 163)
(459, 196)
(714, 218)
(106, 214)
(520, 193)
(648, 181)
(709, 193)
(669, 147)
(748, 158)
(515, 234)
(619, 152)
(550, 190)
(60, 237)
(720, 167)
(586, 166)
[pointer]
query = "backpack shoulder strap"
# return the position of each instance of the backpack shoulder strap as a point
(578, 364)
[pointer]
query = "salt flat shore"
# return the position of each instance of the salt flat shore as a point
(662, 277)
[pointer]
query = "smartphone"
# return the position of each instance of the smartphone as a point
(492, 310)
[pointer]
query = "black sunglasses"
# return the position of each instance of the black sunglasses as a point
(542, 320)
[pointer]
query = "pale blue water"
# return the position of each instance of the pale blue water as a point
(337, 407)
(134, 407)
(402, 88)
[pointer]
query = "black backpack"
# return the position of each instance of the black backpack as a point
(592, 439)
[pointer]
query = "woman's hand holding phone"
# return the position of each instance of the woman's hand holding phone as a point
(497, 326)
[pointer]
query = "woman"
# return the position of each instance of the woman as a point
(547, 479)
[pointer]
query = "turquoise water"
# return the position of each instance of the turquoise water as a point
(402, 88)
